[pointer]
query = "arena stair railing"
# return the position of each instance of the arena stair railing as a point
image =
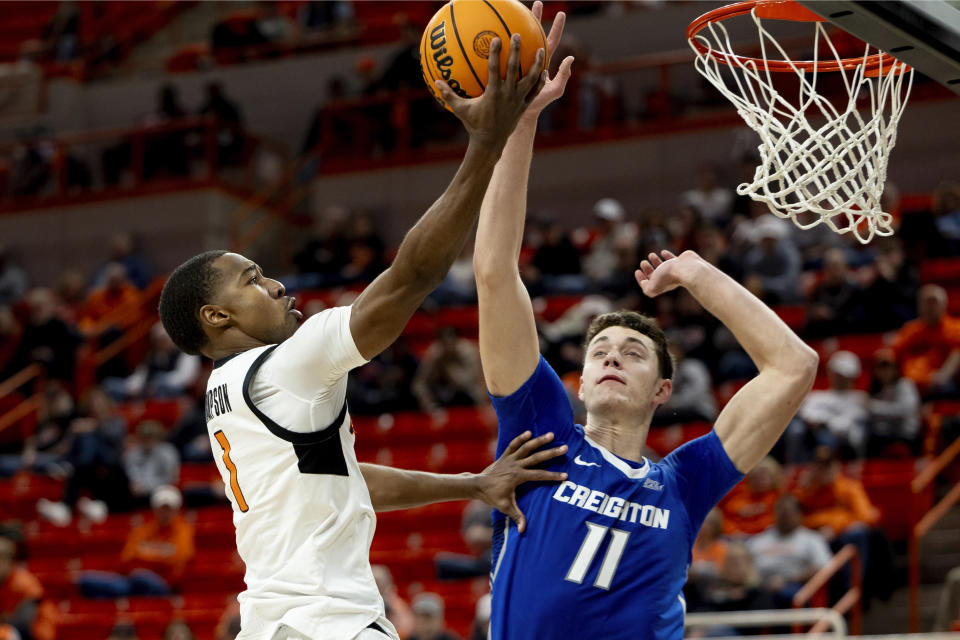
(850, 602)
(923, 524)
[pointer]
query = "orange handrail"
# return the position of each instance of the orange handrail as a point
(919, 530)
(27, 406)
(22, 410)
(20, 378)
(851, 600)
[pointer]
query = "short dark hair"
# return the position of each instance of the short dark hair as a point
(639, 323)
(188, 288)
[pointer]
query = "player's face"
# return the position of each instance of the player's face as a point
(621, 372)
(255, 304)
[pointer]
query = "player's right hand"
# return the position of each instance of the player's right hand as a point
(517, 465)
(491, 118)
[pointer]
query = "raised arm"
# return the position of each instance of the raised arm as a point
(509, 348)
(758, 414)
(430, 247)
(392, 489)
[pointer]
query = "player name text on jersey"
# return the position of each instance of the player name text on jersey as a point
(612, 506)
(218, 401)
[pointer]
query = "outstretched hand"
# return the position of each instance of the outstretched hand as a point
(554, 87)
(665, 272)
(500, 480)
(491, 118)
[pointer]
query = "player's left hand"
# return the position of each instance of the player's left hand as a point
(499, 481)
(665, 272)
(555, 86)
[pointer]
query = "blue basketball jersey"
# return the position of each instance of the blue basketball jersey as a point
(606, 552)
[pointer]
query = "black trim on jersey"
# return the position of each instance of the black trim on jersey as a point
(376, 627)
(222, 361)
(318, 452)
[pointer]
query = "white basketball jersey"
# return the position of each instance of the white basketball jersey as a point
(302, 511)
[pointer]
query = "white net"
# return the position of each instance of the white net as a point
(819, 162)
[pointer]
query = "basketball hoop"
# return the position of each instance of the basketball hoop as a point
(831, 171)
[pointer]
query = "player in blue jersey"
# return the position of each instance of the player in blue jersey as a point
(605, 554)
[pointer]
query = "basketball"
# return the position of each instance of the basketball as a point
(456, 43)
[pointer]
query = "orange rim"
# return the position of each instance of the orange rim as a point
(784, 10)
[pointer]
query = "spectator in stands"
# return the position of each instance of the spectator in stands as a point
(481, 619)
(403, 72)
(92, 463)
(711, 244)
(928, 348)
(946, 211)
(692, 396)
(325, 251)
(178, 630)
(166, 151)
(894, 407)
(836, 417)
(276, 26)
(229, 122)
(383, 385)
(428, 623)
(46, 446)
(106, 302)
(835, 505)
(123, 251)
(151, 462)
(948, 608)
(332, 128)
(738, 588)
(476, 529)
(228, 628)
(749, 508)
(32, 165)
(46, 339)
(449, 374)
(771, 265)
(154, 556)
(21, 596)
(556, 262)
(13, 279)
(10, 333)
(326, 15)
(189, 435)
(459, 286)
(709, 550)
(398, 611)
(788, 554)
(71, 296)
(123, 630)
(836, 304)
(709, 199)
(166, 372)
(890, 298)
(364, 250)
(60, 36)
(612, 252)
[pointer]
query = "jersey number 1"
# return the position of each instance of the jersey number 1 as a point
(581, 564)
(232, 468)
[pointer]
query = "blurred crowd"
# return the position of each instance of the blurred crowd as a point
(765, 540)
(171, 141)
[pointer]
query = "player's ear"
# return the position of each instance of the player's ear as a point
(664, 389)
(214, 316)
(580, 390)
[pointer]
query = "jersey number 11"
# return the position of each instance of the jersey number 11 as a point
(591, 543)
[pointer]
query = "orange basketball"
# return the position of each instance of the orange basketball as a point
(456, 43)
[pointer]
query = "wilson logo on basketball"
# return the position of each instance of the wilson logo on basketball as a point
(481, 43)
(443, 60)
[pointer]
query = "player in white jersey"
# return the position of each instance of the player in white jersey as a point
(276, 411)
